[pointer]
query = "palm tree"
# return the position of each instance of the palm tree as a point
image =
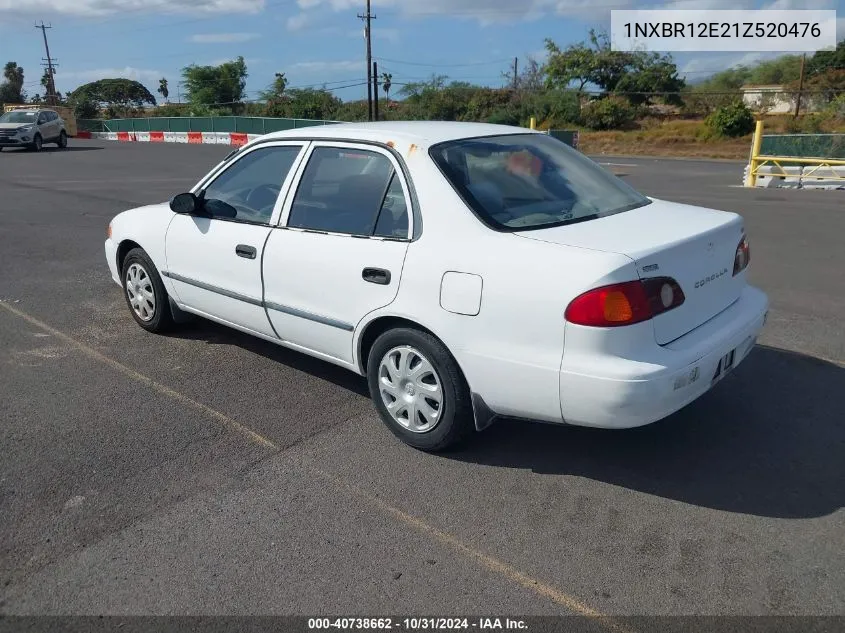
(386, 83)
(162, 89)
(12, 88)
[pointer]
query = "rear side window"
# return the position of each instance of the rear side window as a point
(350, 191)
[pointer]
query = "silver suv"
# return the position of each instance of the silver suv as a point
(31, 128)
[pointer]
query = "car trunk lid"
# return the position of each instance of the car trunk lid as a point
(693, 245)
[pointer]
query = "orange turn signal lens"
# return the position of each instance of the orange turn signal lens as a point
(617, 308)
(108, 231)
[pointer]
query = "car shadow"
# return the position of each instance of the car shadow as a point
(769, 440)
(212, 333)
(51, 150)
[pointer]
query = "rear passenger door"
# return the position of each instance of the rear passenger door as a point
(339, 251)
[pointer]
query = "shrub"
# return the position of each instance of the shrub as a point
(836, 108)
(504, 116)
(733, 119)
(611, 113)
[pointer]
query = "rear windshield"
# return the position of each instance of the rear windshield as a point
(19, 117)
(530, 181)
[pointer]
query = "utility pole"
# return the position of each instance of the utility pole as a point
(800, 85)
(51, 86)
(375, 91)
(368, 35)
(515, 72)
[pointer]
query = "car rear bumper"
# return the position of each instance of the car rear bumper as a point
(621, 392)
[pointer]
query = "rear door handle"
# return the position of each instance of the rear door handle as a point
(376, 276)
(244, 250)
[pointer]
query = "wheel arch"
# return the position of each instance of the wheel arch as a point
(371, 330)
(123, 249)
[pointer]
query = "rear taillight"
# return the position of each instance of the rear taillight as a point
(743, 256)
(625, 303)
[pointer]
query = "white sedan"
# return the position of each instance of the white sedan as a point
(469, 271)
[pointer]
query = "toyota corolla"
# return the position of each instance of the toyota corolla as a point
(469, 271)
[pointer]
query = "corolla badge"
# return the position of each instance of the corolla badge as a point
(708, 279)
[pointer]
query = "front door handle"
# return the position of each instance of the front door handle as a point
(376, 276)
(244, 250)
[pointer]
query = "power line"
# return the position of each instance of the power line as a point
(397, 61)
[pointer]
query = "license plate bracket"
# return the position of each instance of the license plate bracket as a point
(726, 363)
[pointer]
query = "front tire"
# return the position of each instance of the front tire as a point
(62, 142)
(419, 390)
(37, 143)
(144, 292)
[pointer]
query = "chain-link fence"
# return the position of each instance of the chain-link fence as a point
(804, 145)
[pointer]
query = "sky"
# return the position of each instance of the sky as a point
(316, 42)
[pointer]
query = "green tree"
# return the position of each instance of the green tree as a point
(276, 91)
(222, 85)
(386, 85)
(651, 75)
(823, 61)
(778, 71)
(639, 75)
(119, 97)
(275, 96)
(309, 103)
(163, 90)
(590, 62)
(11, 90)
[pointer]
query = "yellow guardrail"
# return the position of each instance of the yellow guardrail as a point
(758, 161)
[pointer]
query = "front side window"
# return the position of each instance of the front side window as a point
(531, 181)
(350, 191)
(248, 189)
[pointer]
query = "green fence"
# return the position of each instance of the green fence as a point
(90, 125)
(804, 145)
(570, 137)
(248, 125)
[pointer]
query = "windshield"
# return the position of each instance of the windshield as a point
(19, 117)
(531, 181)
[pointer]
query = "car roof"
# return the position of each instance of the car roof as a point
(417, 132)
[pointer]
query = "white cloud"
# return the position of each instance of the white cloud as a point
(87, 8)
(222, 38)
(298, 22)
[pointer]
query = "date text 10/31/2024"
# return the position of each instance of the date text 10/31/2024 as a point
(417, 624)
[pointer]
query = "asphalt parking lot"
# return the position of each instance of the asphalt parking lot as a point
(206, 472)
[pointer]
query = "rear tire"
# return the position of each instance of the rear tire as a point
(419, 390)
(62, 142)
(144, 292)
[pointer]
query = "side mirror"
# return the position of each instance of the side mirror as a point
(185, 203)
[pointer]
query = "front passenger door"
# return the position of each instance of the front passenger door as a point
(339, 254)
(214, 261)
